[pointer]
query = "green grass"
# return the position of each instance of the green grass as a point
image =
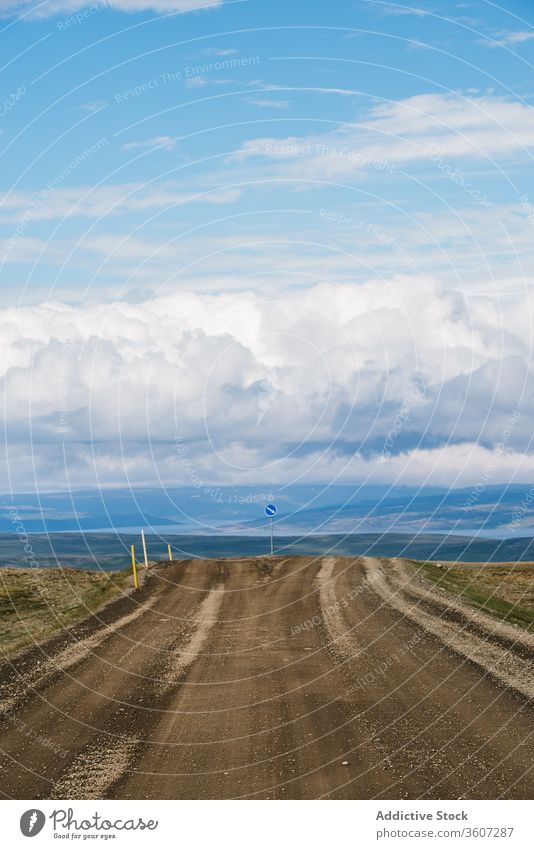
(36, 603)
(504, 590)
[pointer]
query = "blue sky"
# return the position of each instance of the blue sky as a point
(266, 241)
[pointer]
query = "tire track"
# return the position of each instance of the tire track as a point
(501, 663)
(87, 715)
(94, 771)
(342, 637)
(416, 587)
(100, 765)
(43, 673)
(181, 659)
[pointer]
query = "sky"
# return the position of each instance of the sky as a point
(255, 244)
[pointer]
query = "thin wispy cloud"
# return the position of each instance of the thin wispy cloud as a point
(396, 10)
(93, 106)
(58, 7)
(158, 142)
(264, 103)
(221, 51)
(509, 39)
(98, 201)
(201, 82)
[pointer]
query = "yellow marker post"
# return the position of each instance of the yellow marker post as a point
(170, 552)
(134, 567)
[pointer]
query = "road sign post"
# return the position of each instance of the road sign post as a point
(271, 511)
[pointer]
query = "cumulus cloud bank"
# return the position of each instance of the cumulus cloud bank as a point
(392, 379)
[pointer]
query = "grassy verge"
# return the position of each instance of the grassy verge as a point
(505, 590)
(35, 603)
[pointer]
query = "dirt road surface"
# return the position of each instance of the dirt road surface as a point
(277, 678)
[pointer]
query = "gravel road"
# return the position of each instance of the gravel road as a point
(296, 678)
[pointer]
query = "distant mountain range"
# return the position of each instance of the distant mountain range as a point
(498, 511)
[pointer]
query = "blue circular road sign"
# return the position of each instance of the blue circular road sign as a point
(271, 510)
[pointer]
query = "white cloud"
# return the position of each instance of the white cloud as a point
(518, 37)
(221, 51)
(255, 389)
(57, 7)
(397, 10)
(508, 39)
(128, 247)
(405, 131)
(25, 249)
(197, 82)
(97, 201)
(163, 142)
(268, 104)
(465, 247)
(200, 82)
(94, 106)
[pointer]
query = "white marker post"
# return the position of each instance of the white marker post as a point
(144, 552)
(169, 550)
(270, 511)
